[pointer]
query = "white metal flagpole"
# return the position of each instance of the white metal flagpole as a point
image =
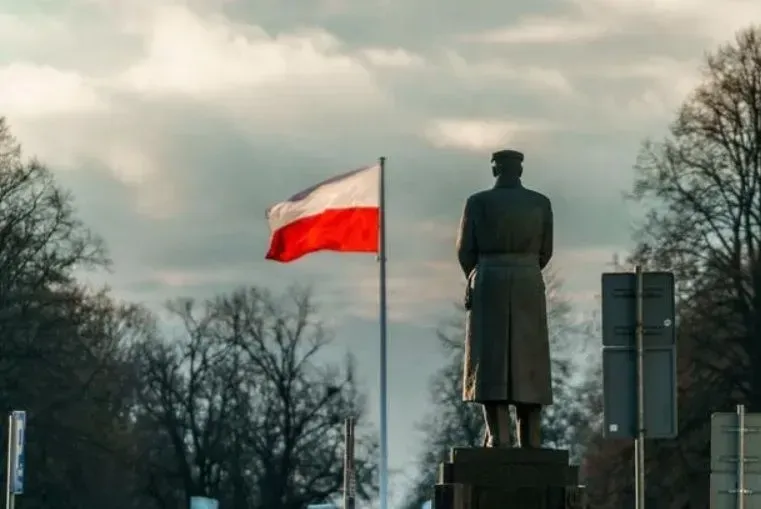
(383, 475)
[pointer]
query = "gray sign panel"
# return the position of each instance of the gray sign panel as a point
(725, 441)
(724, 494)
(619, 309)
(620, 392)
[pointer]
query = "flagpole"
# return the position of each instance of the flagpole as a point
(383, 477)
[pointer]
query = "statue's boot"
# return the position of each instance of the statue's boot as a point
(497, 418)
(490, 419)
(529, 425)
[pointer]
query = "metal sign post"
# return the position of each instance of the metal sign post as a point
(639, 444)
(740, 457)
(15, 470)
(349, 486)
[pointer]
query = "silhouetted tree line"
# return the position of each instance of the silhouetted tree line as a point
(701, 189)
(226, 399)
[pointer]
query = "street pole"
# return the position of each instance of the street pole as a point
(639, 444)
(10, 498)
(349, 486)
(740, 457)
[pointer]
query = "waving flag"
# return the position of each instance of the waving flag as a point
(339, 214)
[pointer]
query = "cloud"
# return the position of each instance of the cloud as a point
(276, 82)
(642, 92)
(124, 144)
(541, 30)
(481, 135)
(700, 17)
(538, 79)
(703, 19)
(198, 56)
(182, 279)
(392, 58)
(24, 32)
(29, 90)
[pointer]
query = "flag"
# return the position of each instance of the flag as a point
(339, 214)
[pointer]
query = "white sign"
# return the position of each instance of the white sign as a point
(203, 503)
(18, 432)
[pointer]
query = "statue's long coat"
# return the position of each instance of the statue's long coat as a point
(505, 239)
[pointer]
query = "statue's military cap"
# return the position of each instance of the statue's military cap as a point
(502, 156)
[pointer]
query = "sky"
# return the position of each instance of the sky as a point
(176, 123)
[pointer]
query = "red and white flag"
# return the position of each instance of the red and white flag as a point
(339, 214)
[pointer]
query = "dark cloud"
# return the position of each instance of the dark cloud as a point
(419, 25)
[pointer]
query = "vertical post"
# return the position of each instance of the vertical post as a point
(349, 486)
(639, 444)
(383, 343)
(10, 498)
(740, 457)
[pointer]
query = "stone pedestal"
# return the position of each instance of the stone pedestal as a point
(508, 479)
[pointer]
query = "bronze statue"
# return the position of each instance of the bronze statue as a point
(504, 242)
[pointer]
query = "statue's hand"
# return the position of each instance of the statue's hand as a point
(469, 291)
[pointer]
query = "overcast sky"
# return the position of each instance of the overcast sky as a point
(176, 123)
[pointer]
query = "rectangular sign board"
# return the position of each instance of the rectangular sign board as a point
(203, 503)
(620, 393)
(724, 491)
(18, 432)
(619, 309)
(725, 442)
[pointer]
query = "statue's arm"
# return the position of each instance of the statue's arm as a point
(467, 248)
(545, 255)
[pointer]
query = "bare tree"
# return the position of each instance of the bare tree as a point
(703, 186)
(250, 410)
(41, 243)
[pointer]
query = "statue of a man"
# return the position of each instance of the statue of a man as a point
(504, 242)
